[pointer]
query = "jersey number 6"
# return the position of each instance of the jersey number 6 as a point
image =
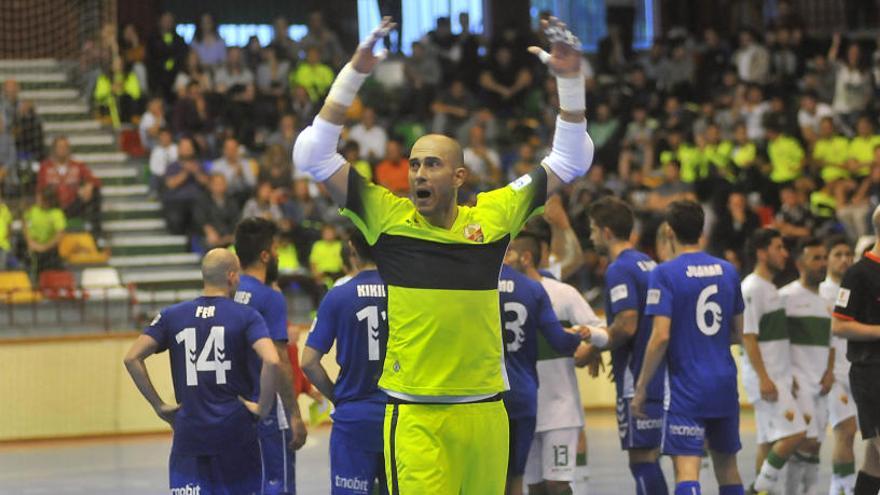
(708, 310)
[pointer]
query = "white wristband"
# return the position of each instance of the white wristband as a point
(346, 85)
(598, 337)
(572, 93)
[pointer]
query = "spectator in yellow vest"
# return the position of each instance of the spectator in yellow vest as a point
(326, 256)
(685, 154)
(313, 76)
(118, 93)
(830, 152)
(786, 155)
(861, 147)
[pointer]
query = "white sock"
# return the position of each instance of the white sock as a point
(810, 478)
(795, 476)
(580, 485)
(767, 478)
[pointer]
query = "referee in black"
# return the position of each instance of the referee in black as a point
(857, 319)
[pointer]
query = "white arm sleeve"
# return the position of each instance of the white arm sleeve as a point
(314, 152)
(572, 152)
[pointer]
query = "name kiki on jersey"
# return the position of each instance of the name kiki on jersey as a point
(371, 290)
(703, 271)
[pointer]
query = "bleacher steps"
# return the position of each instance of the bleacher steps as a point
(36, 77)
(154, 260)
(62, 109)
(129, 190)
(71, 126)
(32, 63)
(157, 276)
(131, 206)
(127, 226)
(102, 157)
(116, 173)
(85, 139)
(149, 241)
(39, 95)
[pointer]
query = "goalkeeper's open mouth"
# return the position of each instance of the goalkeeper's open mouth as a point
(423, 197)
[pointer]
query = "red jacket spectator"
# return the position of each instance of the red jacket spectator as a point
(66, 178)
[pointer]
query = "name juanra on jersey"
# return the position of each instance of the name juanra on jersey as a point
(371, 290)
(701, 271)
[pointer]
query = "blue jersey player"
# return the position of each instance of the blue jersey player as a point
(530, 325)
(626, 285)
(211, 341)
(697, 306)
(283, 431)
(355, 316)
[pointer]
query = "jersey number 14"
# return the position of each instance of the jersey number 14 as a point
(211, 357)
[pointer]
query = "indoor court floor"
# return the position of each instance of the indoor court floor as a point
(138, 466)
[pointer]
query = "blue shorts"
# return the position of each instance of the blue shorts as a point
(684, 435)
(353, 469)
(237, 471)
(522, 431)
(279, 460)
(637, 433)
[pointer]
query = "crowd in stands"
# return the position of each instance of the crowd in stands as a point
(772, 128)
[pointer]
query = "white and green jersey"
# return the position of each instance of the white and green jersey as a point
(809, 326)
(828, 290)
(559, 399)
(765, 317)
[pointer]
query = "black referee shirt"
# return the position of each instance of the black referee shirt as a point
(859, 300)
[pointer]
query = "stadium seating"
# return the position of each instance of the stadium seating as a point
(58, 284)
(79, 248)
(103, 283)
(15, 288)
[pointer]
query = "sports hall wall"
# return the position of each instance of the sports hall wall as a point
(77, 387)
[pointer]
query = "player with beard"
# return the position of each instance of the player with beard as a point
(626, 282)
(808, 318)
(282, 431)
(841, 406)
(766, 371)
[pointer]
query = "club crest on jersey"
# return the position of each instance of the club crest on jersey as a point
(520, 183)
(844, 398)
(789, 415)
(843, 297)
(474, 232)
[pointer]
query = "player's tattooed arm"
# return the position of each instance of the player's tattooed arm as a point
(654, 355)
(142, 348)
(314, 370)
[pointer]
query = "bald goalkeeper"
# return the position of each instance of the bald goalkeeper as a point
(446, 430)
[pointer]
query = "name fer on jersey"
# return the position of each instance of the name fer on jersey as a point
(205, 312)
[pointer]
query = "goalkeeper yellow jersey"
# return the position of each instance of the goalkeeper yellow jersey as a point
(443, 309)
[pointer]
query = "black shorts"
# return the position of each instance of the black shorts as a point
(865, 386)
